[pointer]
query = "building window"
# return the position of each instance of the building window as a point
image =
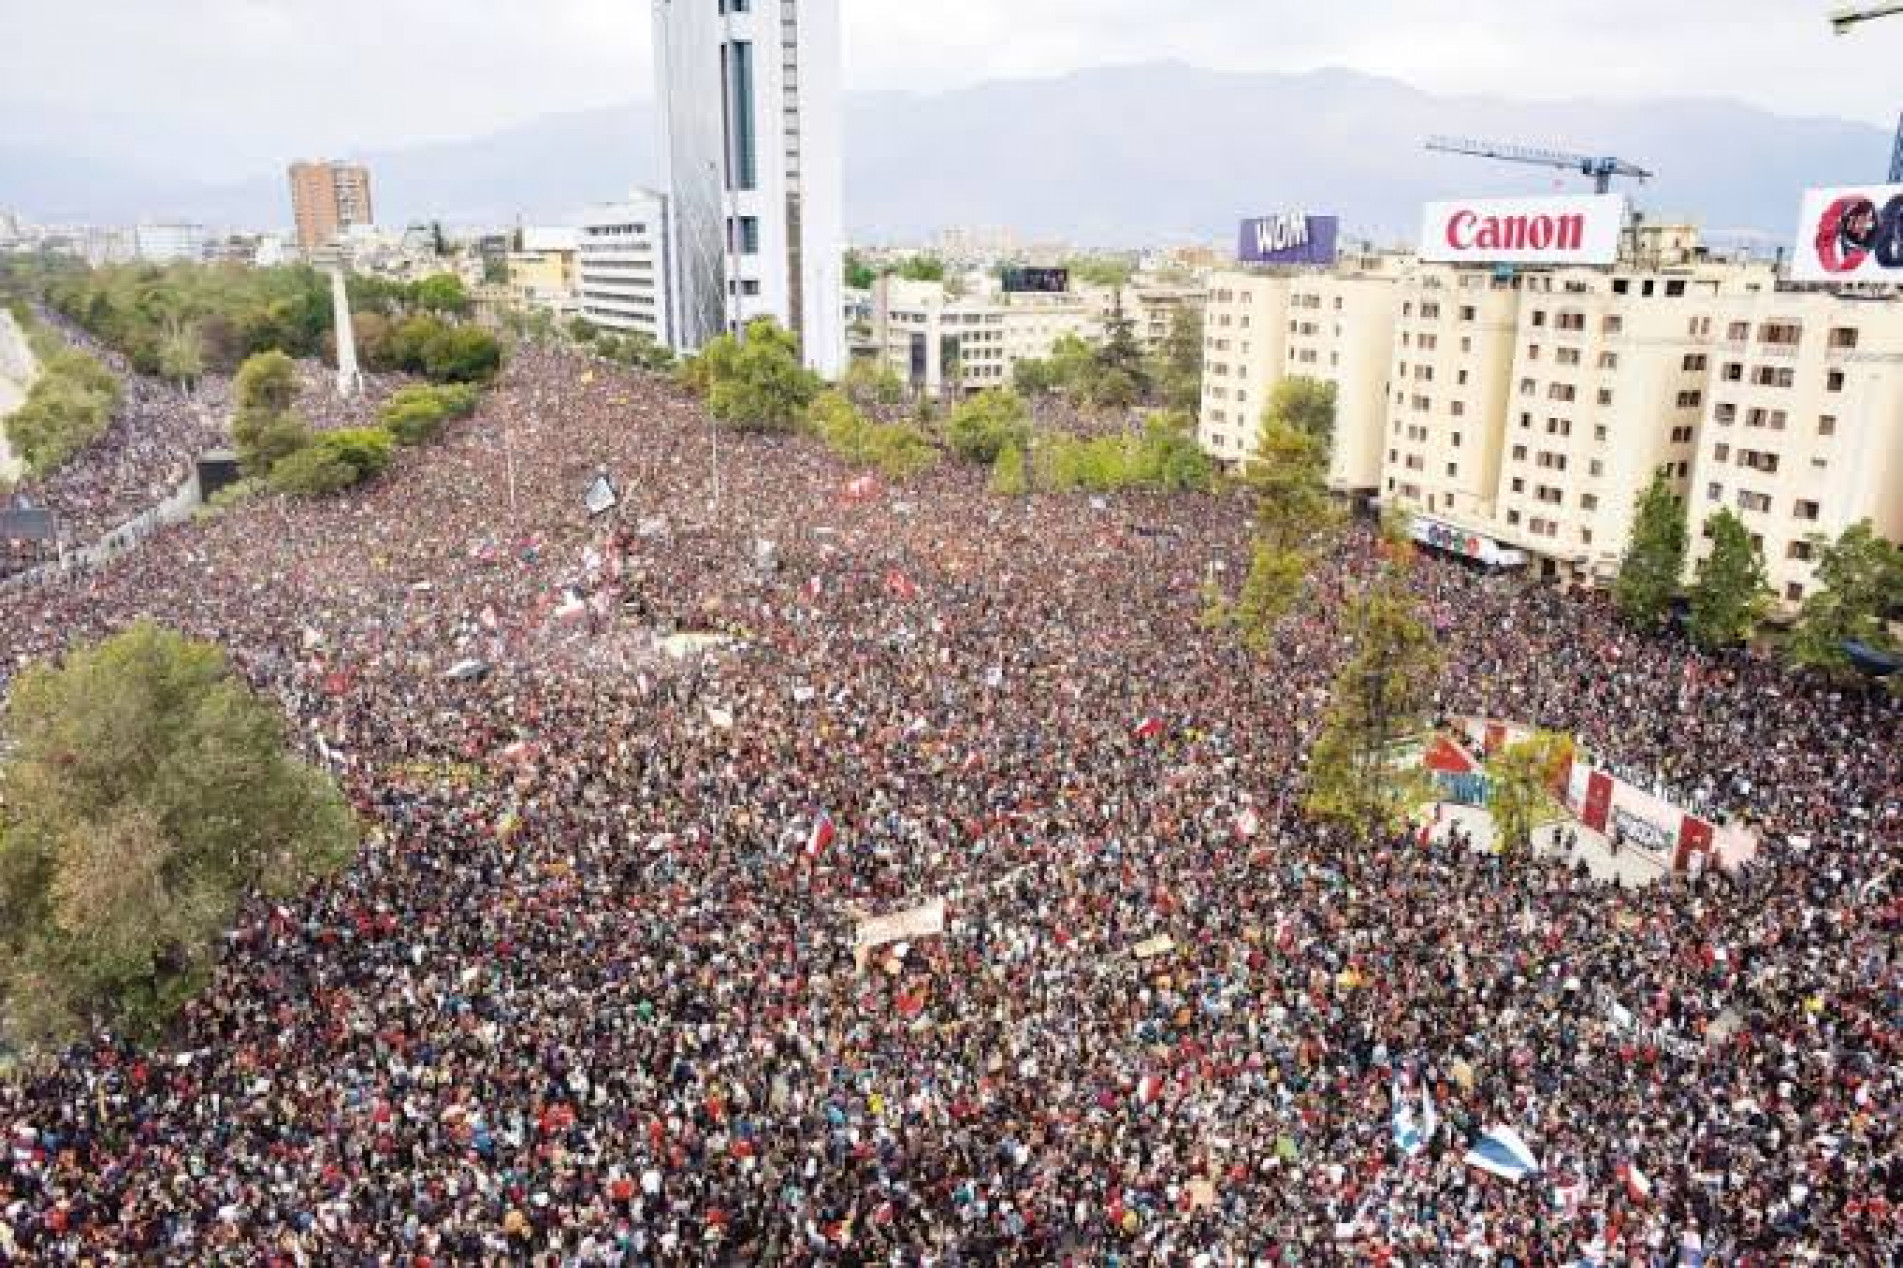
(1690, 400)
(1589, 501)
(1721, 453)
(1843, 337)
(1605, 396)
(1804, 510)
(1694, 361)
(735, 6)
(1714, 492)
(1800, 551)
(1794, 591)
(736, 72)
(1834, 381)
(743, 235)
(1749, 501)
(1782, 334)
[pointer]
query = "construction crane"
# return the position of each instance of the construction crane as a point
(1842, 22)
(1601, 168)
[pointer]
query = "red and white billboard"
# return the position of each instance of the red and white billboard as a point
(1851, 234)
(1581, 230)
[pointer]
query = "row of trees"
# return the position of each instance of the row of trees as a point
(145, 794)
(635, 349)
(279, 450)
(1115, 373)
(182, 320)
(69, 406)
(429, 346)
(1860, 578)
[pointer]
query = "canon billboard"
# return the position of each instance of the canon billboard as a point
(1292, 238)
(1581, 230)
(1850, 235)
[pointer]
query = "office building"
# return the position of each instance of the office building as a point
(327, 198)
(166, 242)
(945, 344)
(622, 270)
(749, 96)
(544, 269)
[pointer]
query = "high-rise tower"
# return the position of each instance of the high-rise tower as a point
(750, 118)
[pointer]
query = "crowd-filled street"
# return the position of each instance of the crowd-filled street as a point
(590, 995)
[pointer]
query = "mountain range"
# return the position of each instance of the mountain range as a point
(1153, 153)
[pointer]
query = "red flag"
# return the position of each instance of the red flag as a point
(1148, 729)
(899, 584)
(821, 836)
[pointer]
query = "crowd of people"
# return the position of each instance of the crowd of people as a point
(153, 443)
(590, 994)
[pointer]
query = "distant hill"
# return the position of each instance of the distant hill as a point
(1157, 152)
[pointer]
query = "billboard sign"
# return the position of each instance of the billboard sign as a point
(1036, 281)
(1850, 234)
(1292, 238)
(1574, 230)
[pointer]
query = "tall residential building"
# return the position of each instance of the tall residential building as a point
(328, 198)
(1803, 425)
(1338, 327)
(622, 268)
(750, 118)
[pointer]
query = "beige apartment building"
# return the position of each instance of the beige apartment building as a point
(1336, 327)
(326, 199)
(1803, 425)
(942, 343)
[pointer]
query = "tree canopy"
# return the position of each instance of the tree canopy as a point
(755, 383)
(1729, 594)
(1526, 779)
(147, 793)
(1654, 557)
(1860, 584)
(983, 425)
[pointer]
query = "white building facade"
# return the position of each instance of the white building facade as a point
(750, 117)
(622, 268)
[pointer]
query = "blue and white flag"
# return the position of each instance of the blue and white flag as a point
(1502, 1152)
(1409, 1137)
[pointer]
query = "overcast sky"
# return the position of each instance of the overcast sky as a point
(214, 84)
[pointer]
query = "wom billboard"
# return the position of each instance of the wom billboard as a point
(1294, 238)
(1581, 230)
(1850, 235)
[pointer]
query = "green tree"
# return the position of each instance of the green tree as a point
(1275, 580)
(462, 354)
(1524, 786)
(581, 330)
(1288, 476)
(266, 383)
(1121, 376)
(869, 381)
(859, 274)
(1357, 776)
(1034, 377)
(147, 793)
(263, 440)
(1860, 576)
(922, 268)
(983, 425)
(1177, 368)
(1729, 592)
(1307, 405)
(415, 414)
(1100, 270)
(1654, 558)
(756, 384)
(443, 293)
(1008, 473)
(181, 352)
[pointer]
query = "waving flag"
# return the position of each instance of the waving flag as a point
(1637, 1184)
(1149, 1087)
(1248, 823)
(1148, 729)
(1503, 1153)
(1408, 1136)
(821, 836)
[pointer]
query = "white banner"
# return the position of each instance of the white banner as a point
(916, 922)
(1575, 230)
(1850, 234)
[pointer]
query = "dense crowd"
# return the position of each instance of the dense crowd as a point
(156, 437)
(590, 996)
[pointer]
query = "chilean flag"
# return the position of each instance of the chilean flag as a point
(1148, 729)
(1637, 1184)
(821, 837)
(1149, 1087)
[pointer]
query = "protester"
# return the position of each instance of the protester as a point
(590, 996)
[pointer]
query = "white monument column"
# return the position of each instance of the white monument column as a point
(349, 377)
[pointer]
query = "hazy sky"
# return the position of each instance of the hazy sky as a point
(213, 84)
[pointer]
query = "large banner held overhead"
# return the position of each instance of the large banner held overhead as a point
(921, 921)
